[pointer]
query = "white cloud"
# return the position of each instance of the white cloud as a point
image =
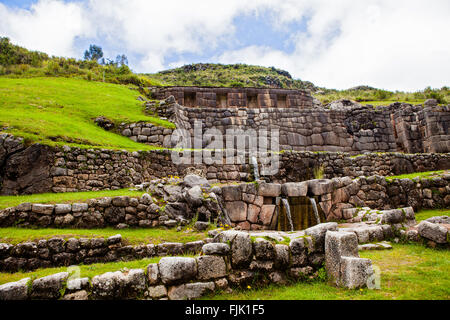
(49, 25)
(391, 44)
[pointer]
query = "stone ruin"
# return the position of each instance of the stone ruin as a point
(356, 146)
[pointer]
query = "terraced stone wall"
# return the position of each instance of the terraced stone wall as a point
(38, 168)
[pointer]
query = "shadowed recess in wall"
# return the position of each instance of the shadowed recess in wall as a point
(302, 214)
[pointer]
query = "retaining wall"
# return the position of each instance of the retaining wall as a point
(243, 262)
(57, 252)
(38, 168)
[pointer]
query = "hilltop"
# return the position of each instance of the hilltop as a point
(230, 75)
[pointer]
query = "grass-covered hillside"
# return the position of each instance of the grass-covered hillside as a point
(242, 75)
(18, 62)
(230, 75)
(62, 111)
(376, 97)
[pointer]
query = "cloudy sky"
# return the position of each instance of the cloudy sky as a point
(390, 44)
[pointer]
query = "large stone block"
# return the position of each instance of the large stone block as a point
(241, 250)
(282, 256)
(107, 285)
(318, 232)
(15, 290)
(264, 249)
(63, 208)
(237, 210)
(266, 214)
(232, 193)
(190, 291)
(46, 209)
(211, 267)
(294, 189)
(320, 186)
(269, 189)
(49, 287)
(338, 245)
(177, 269)
(433, 231)
(220, 249)
(355, 272)
(393, 216)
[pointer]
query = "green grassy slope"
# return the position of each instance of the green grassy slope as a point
(62, 111)
(230, 75)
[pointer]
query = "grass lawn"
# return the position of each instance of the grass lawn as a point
(428, 213)
(12, 201)
(377, 103)
(85, 270)
(131, 236)
(409, 271)
(422, 175)
(58, 111)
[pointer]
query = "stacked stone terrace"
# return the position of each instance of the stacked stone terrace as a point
(306, 125)
(212, 97)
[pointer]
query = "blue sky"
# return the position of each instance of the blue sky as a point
(337, 44)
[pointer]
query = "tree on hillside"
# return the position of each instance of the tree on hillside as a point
(121, 60)
(95, 53)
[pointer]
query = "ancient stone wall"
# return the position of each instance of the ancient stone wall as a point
(56, 252)
(419, 129)
(256, 207)
(235, 97)
(38, 168)
(234, 259)
(147, 133)
(336, 128)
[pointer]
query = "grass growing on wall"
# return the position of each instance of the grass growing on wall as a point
(132, 236)
(51, 198)
(409, 271)
(422, 175)
(61, 111)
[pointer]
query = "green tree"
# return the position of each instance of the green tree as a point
(94, 53)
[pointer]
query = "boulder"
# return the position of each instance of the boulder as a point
(393, 216)
(190, 291)
(282, 256)
(177, 269)
(153, 273)
(49, 287)
(432, 231)
(194, 197)
(45, 209)
(355, 272)
(201, 225)
(157, 292)
(318, 232)
(211, 267)
(63, 208)
(264, 249)
(107, 285)
(192, 180)
(78, 295)
(15, 290)
(241, 250)
(220, 249)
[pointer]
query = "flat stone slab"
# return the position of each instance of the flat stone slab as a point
(375, 246)
(276, 235)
